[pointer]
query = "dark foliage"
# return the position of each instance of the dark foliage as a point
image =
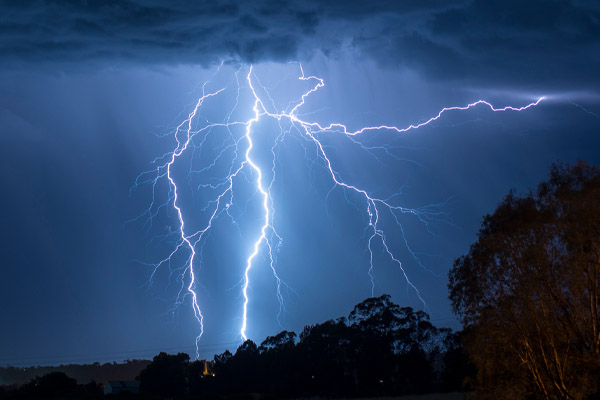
(528, 291)
(380, 349)
(457, 371)
(53, 385)
(166, 375)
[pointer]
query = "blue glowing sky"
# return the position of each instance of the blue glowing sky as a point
(89, 100)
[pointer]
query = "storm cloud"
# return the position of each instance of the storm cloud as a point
(533, 43)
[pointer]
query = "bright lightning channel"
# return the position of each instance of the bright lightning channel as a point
(184, 135)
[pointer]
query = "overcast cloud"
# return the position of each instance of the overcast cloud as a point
(536, 43)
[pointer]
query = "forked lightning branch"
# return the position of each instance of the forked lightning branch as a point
(190, 135)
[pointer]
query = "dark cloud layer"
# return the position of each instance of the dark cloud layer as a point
(540, 42)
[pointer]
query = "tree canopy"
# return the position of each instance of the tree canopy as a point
(380, 349)
(166, 375)
(528, 291)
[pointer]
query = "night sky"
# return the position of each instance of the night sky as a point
(91, 93)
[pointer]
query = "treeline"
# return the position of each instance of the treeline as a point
(52, 385)
(379, 349)
(83, 373)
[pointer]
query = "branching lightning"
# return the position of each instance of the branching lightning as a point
(242, 164)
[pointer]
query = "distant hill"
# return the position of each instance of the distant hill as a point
(83, 373)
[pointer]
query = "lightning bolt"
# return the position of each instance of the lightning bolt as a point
(263, 231)
(242, 162)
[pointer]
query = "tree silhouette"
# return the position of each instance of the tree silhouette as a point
(380, 349)
(394, 347)
(282, 341)
(326, 358)
(53, 384)
(166, 375)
